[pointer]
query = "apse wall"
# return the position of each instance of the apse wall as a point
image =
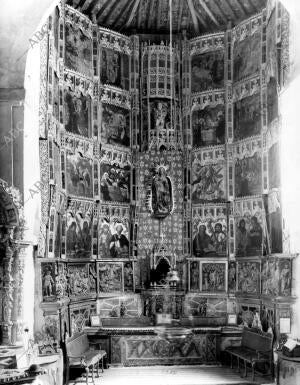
(141, 163)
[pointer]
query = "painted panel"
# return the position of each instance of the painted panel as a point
(110, 277)
(247, 117)
(232, 277)
(276, 277)
(115, 125)
(77, 113)
(79, 235)
(249, 277)
(78, 278)
(207, 71)
(208, 126)
(78, 50)
(213, 276)
(128, 276)
(114, 68)
(79, 176)
(115, 182)
(248, 175)
(194, 275)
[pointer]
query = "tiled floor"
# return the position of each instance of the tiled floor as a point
(169, 375)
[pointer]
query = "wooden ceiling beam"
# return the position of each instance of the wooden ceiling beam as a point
(109, 13)
(202, 20)
(132, 13)
(91, 7)
(158, 14)
(139, 15)
(221, 12)
(123, 11)
(254, 9)
(102, 9)
(241, 7)
(193, 15)
(231, 10)
(150, 13)
(209, 13)
(180, 15)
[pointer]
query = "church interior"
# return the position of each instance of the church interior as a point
(148, 192)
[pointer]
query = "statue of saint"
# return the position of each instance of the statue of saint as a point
(161, 193)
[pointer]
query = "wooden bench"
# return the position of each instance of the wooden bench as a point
(80, 355)
(256, 347)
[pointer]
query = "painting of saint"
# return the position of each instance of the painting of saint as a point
(162, 202)
(248, 277)
(119, 243)
(114, 68)
(115, 126)
(104, 240)
(128, 276)
(246, 56)
(77, 113)
(249, 237)
(79, 176)
(208, 183)
(232, 276)
(276, 225)
(78, 50)
(208, 126)
(248, 176)
(285, 277)
(213, 277)
(79, 236)
(202, 242)
(48, 281)
(211, 239)
(110, 277)
(247, 117)
(207, 71)
(114, 183)
(194, 276)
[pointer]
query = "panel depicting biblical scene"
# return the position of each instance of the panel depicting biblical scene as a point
(194, 275)
(79, 235)
(161, 193)
(48, 272)
(207, 71)
(247, 117)
(274, 166)
(114, 68)
(208, 126)
(128, 276)
(208, 177)
(77, 113)
(113, 239)
(232, 277)
(115, 125)
(78, 276)
(276, 277)
(210, 231)
(246, 55)
(115, 182)
(110, 277)
(249, 277)
(248, 175)
(78, 50)
(79, 176)
(213, 276)
(249, 232)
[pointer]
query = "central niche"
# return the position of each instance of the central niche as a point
(161, 193)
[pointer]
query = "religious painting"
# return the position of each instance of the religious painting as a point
(77, 113)
(275, 224)
(115, 125)
(247, 117)
(79, 176)
(207, 71)
(246, 55)
(213, 276)
(210, 231)
(194, 275)
(114, 68)
(276, 277)
(274, 166)
(248, 175)
(110, 277)
(78, 50)
(78, 277)
(128, 276)
(48, 272)
(208, 126)
(115, 182)
(196, 306)
(249, 278)
(79, 235)
(119, 243)
(246, 313)
(208, 178)
(161, 193)
(62, 285)
(232, 277)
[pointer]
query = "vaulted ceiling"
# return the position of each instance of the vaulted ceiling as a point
(153, 16)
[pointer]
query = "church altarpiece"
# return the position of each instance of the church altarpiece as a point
(174, 173)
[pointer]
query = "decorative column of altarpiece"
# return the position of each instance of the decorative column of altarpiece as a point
(88, 125)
